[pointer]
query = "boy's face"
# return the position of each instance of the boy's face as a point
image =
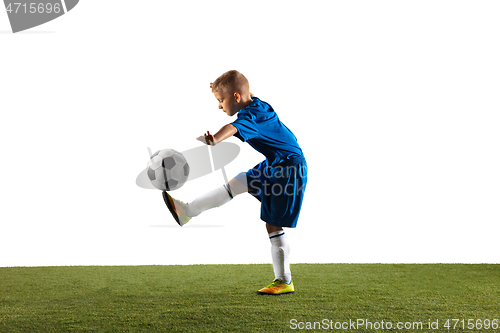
(229, 103)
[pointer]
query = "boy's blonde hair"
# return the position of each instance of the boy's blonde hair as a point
(231, 81)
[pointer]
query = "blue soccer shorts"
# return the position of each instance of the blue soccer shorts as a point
(280, 189)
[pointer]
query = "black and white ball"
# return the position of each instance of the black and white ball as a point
(168, 169)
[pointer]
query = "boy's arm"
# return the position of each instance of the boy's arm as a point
(225, 132)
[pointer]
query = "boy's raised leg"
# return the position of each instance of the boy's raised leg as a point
(209, 200)
(183, 212)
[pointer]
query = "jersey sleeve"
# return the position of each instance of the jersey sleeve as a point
(246, 126)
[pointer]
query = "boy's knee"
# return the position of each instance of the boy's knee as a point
(272, 228)
(238, 184)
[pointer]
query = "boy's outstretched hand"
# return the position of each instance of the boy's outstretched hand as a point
(225, 132)
(207, 139)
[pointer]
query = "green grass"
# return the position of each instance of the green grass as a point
(222, 298)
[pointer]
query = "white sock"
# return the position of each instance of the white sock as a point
(280, 251)
(209, 200)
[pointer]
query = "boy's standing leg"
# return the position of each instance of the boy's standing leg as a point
(280, 252)
(282, 208)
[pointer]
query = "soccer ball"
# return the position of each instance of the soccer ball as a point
(167, 169)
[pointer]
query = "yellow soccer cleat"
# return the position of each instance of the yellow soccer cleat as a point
(276, 288)
(177, 208)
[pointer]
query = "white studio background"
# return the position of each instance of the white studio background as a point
(395, 104)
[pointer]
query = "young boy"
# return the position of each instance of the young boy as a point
(278, 182)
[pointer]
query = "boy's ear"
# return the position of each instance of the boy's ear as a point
(237, 96)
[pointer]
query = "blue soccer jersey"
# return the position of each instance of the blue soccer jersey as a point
(260, 127)
(279, 181)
